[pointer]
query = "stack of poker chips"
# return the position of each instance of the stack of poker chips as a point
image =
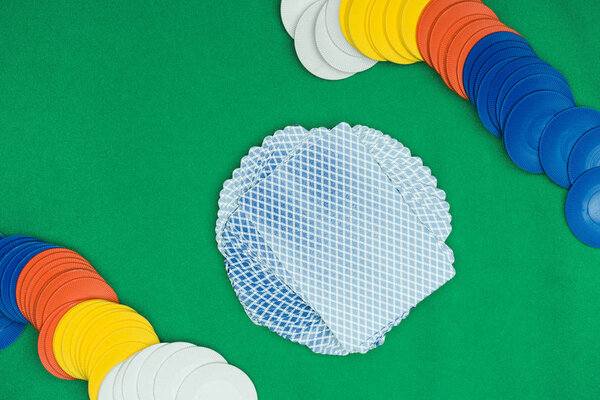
(176, 371)
(83, 330)
(331, 237)
(518, 97)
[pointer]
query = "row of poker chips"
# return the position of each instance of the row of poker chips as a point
(518, 97)
(179, 371)
(83, 330)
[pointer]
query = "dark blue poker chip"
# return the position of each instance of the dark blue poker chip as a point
(585, 154)
(516, 77)
(483, 49)
(18, 258)
(530, 84)
(504, 73)
(582, 208)
(10, 334)
(559, 138)
(526, 123)
(506, 54)
(484, 89)
(7, 262)
(7, 244)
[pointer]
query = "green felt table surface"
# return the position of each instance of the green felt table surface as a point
(120, 121)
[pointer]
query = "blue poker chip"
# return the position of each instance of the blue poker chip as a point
(525, 125)
(583, 208)
(483, 49)
(515, 78)
(512, 67)
(8, 244)
(528, 85)
(585, 154)
(10, 334)
(17, 259)
(505, 54)
(559, 137)
(484, 92)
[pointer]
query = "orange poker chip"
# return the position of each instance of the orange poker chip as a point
(30, 287)
(427, 19)
(45, 340)
(52, 271)
(448, 40)
(57, 263)
(36, 264)
(51, 286)
(78, 290)
(448, 18)
(461, 46)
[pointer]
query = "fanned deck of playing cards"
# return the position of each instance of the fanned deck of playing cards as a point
(331, 237)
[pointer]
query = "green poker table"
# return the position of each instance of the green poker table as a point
(120, 121)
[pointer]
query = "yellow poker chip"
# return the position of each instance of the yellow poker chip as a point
(393, 30)
(69, 337)
(358, 21)
(377, 31)
(113, 336)
(58, 341)
(89, 329)
(344, 13)
(144, 334)
(75, 332)
(111, 358)
(409, 19)
(98, 329)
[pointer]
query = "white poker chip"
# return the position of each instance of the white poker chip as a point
(332, 54)
(217, 381)
(180, 364)
(118, 383)
(108, 383)
(150, 366)
(307, 50)
(332, 17)
(132, 370)
(291, 11)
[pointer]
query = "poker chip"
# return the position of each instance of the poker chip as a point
(307, 49)
(489, 66)
(531, 84)
(278, 296)
(291, 11)
(559, 137)
(358, 28)
(525, 124)
(489, 50)
(583, 207)
(449, 38)
(176, 368)
(334, 19)
(460, 13)
(494, 82)
(160, 371)
(216, 381)
(334, 55)
(484, 94)
(585, 154)
(461, 46)
(396, 32)
(377, 30)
